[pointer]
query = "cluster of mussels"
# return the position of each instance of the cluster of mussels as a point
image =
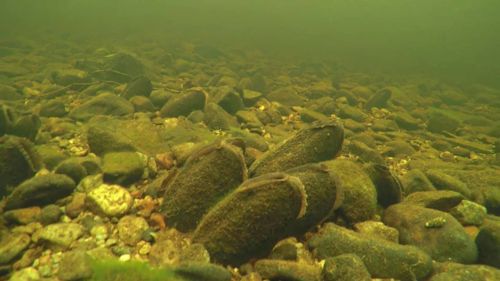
(240, 213)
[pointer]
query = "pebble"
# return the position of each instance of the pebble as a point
(61, 235)
(109, 200)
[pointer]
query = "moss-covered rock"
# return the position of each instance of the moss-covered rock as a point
(184, 103)
(122, 168)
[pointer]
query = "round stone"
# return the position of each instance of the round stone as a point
(109, 200)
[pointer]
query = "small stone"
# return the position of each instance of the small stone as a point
(285, 250)
(377, 230)
(488, 243)
(287, 270)
(469, 213)
(77, 205)
(72, 168)
(61, 234)
(131, 228)
(23, 216)
(109, 200)
(103, 104)
(125, 257)
(26, 274)
(442, 200)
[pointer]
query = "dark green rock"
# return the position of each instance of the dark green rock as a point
(443, 181)
(124, 63)
(216, 118)
(202, 271)
(208, 175)
(229, 100)
(103, 104)
(435, 232)
(365, 153)
(383, 259)
(72, 168)
(440, 122)
(415, 180)
(184, 103)
(50, 214)
(142, 104)
(389, 188)
(379, 99)
(450, 271)
(442, 200)
(488, 243)
(53, 108)
(321, 141)
(26, 126)
(122, 168)
(40, 191)
(102, 140)
(250, 220)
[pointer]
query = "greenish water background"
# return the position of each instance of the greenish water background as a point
(450, 39)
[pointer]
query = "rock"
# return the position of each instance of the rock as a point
(415, 180)
(66, 77)
(442, 200)
(321, 141)
(124, 63)
(398, 148)
(286, 96)
(365, 153)
(194, 253)
(53, 108)
(379, 99)
(23, 216)
(310, 116)
(377, 230)
(443, 181)
(131, 228)
(168, 249)
(325, 194)
(50, 155)
(384, 125)
(250, 220)
(406, 121)
(40, 191)
(433, 231)
(50, 214)
(360, 195)
(26, 274)
(142, 104)
(383, 259)
(208, 175)
(184, 103)
(440, 122)
(459, 272)
(71, 168)
(75, 265)
(356, 114)
(109, 200)
(469, 213)
(9, 93)
(362, 91)
(76, 206)
(138, 86)
(488, 243)
(122, 168)
(103, 104)
(345, 267)
(102, 141)
(287, 270)
(249, 119)
(159, 97)
(12, 247)
(389, 188)
(61, 235)
(216, 118)
(200, 271)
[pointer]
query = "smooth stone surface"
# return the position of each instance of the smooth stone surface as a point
(61, 235)
(103, 104)
(109, 200)
(122, 168)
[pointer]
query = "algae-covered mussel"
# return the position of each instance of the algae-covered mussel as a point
(320, 142)
(207, 176)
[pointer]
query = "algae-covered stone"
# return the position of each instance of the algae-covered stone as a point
(122, 168)
(469, 213)
(103, 104)
(450, 271)
(40, 191)
(208, 175)
(383, 259)
(321, 141)
(360, 195)
(101, 140)
(287, 270)
(346, 267)
(488, 243)
(443, 181)
(415, 180)
(12, 246)
(184, 103)
(217, 118)
(250, 220)
(72, 168)
(441, 122)
(61, 235)
(109, 200)
(131, 229)
(365, 153)
(139, 86)
(435, 232)
(379, 99)
(442, 200)
(324, 195)
(202, 271)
